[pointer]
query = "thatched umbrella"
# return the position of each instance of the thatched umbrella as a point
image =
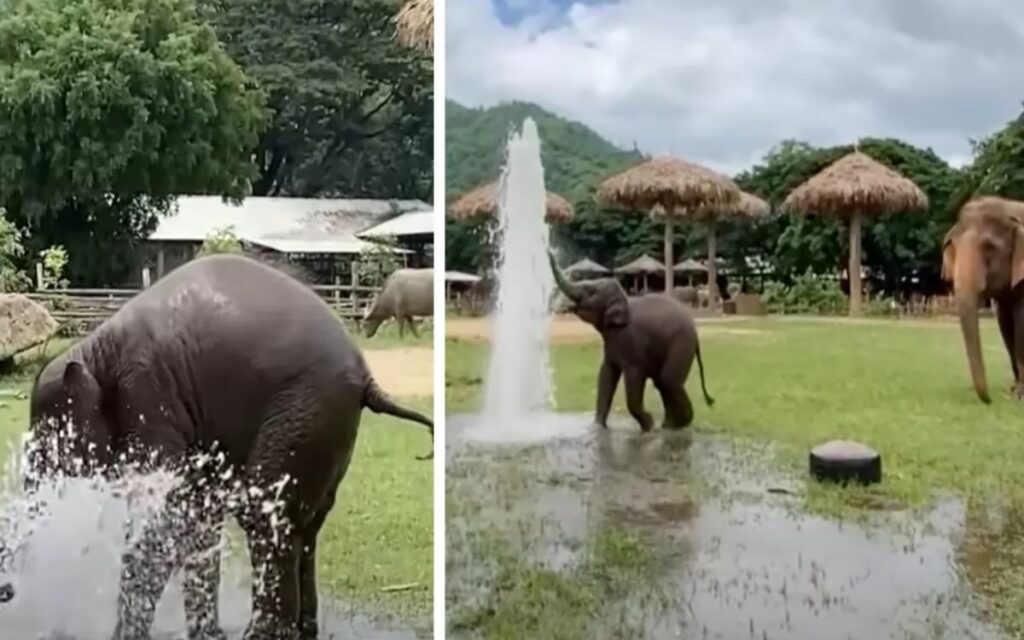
(852, 187)
(689, 267)
(668, 188)
(749, 206)
(586, 267)
(644, 265)
(415, 25)
(483, 201)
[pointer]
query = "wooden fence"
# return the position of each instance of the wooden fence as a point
(79, 310)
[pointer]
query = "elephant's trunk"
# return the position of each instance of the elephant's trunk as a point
(967, 306)
(571, 290)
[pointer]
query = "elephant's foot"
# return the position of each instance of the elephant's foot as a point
(646, 421)
(1018, 390)
(670, 425)
(271, 629)
(209, 632)
(309, 629)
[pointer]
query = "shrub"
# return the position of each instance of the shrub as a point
(809, 294)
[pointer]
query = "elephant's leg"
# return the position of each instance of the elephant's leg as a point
(146, 568)
(607, 381)
(401, 327)
(412, 327)
(309, 603)
(678, 408)
(1018, 354)
(202, 582)
(1005, 313)
(274, 550)
(635, 382)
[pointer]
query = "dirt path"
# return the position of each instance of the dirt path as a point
(403, 372)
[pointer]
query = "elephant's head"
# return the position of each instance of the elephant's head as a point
(601, 302)
(983, 256)
(71, 433)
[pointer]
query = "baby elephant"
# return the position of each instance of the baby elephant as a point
(652, 336)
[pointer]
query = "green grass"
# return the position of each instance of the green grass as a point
(901, 387)
(380, 531)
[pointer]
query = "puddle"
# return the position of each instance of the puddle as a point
(65, 572)
(739, 561)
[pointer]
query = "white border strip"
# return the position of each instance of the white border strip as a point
(439, 320)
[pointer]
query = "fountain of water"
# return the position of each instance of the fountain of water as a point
(518, 389)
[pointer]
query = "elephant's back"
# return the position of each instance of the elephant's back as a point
(661, 315)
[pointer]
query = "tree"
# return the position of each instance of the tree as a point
(998, 166)
(108, 109)
(11, 249)
(351, 107)
(223, 240)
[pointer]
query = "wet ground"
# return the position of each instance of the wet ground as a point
(736, 555)
(66, 569)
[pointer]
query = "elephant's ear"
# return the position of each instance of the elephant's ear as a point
(1017, 260)
(78, 382)
(616, 314)
(949, 252)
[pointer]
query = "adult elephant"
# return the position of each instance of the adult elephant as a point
(687, 295)
(229, 357)
(648, 337)
(983, 256)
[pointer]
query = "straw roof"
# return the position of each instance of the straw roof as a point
(856, 183)
(689, 266)
(415, 25)
(483, 201)
(586, 265)
(673, 185)
(643, 264)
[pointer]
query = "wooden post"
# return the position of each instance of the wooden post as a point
(39, 276)
(354, 296)
(337, 292)
(160, 263)
(854, 268)
(669, 262)
(145, 277)
(712, 267)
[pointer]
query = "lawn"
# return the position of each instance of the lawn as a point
(380, 532)
(900, 386)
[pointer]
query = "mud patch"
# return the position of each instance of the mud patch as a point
(732, 560)
(406, 371)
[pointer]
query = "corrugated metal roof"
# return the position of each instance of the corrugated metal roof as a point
(459, 276)
(304, 225)
(407, 224)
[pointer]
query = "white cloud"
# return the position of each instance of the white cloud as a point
(721, 81)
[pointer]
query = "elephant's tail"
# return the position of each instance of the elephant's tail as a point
(377, 401)
(700, 364)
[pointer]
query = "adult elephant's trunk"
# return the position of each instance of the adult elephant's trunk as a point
(967, 306)
(571, 290)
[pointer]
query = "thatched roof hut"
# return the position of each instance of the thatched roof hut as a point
(668, 188)
(689, 266)
(852, 187)
(415, 25)
(643, 264)
(586, 267)
(483, 201)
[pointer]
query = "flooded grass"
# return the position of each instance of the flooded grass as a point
(375, 552)
(783, 385)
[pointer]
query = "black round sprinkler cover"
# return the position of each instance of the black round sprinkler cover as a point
(6, 593)
(845, 461)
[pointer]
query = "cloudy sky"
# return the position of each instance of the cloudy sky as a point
(721, 81)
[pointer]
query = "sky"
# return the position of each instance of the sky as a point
(721, 81)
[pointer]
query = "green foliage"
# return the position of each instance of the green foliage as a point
(11, 278)
(808, 294)
(102, 101)
(54, 261)
(998, 166)
(223, 240)
(351, 108)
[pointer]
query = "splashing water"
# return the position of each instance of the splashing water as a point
(519, 378)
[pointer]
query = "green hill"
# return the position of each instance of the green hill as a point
(574, 156)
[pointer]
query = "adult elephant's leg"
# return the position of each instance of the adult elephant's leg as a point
(635, 382)
(412, 327)
(1006, 312)
(202, 582)
(607, 381)
(148, 565)
(1018, 354)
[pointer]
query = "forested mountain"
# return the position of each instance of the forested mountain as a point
(573, 154)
